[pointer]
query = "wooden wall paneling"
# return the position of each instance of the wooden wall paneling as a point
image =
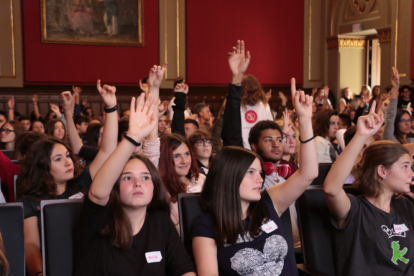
(314, 44)
(172, 22)
(11, 64)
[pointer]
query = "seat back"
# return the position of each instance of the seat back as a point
(189, 209)
(316, 229)
(12, 231)
(8, 153)
(59, 224)
(324, 169)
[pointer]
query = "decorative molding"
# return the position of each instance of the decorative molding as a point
(13, 54)
(384, 35)
(344, 42)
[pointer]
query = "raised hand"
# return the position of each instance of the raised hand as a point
(162, 108)
(326, 91)
(35, 98)
(68, 101)
(156, 75)
(56, 109)
(365, 99)
(142, 119)
(369, 125)
(282, 98)
(84, 101)
(143, 86)
(302, 102)
(181, 87)
(395, 79)
(314, 91)
(10, 102)
(238, 61)
(107, 94)
(76, 90)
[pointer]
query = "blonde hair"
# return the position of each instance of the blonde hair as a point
(295, 156)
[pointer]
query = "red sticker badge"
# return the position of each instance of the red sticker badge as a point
(250, 117)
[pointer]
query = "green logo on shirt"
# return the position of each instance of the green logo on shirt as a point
(398, 254)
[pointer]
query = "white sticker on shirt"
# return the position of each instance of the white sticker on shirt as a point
(269, 227)
(195, 189)
(77, 196)
(399, 228)
(153, 257)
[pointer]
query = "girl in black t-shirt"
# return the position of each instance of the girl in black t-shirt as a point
(50, 171)
(377, 226)
(124, 227)
(241, 231)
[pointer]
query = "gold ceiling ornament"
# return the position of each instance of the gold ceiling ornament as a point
(384, 35)
(345, 42)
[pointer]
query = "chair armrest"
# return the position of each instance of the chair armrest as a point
(305, 270)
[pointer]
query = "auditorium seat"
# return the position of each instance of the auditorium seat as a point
(12, 231)
(59, 223)
(8, 153)
(189, 209)
(315, 229)
(324, 169)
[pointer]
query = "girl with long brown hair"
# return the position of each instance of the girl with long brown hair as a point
(124, 227)
(240, 232)
(254, 106)
(380, 220)
(51, 171)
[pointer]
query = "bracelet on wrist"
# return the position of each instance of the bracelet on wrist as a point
(135, 143)
(310, 139)
(110, 110)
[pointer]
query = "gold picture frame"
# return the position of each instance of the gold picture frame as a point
(93, 22)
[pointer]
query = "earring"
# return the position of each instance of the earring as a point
(384, 177)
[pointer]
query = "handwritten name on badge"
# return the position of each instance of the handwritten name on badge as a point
(399, 228)
(153, 257)
(269, 227)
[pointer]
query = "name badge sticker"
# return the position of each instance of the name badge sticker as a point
(269, 227)
(153, 257)
(399, 228)
(76, 196)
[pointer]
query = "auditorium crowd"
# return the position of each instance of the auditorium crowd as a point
(247, 162)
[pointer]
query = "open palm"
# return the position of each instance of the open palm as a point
(238, 61)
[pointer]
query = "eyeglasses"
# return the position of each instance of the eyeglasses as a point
(6, 130)
(202, 143)
(405, 121)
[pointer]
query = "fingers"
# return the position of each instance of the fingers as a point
(238, 47)
(372, 109)
(248, 57)
(242, 47)
(293, 88)
(152, 107)
(132, 106)
(148, 102)
(98, 86)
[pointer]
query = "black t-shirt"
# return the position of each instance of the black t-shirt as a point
(31, 204)
(88, 153)
(403, 103)
(374, 242)
(157, 239)
(267, 254)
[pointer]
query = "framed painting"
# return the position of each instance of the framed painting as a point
(93, 22)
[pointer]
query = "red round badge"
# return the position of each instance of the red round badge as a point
(250, 117)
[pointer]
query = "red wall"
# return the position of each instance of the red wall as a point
(84, 64)
(272, 31)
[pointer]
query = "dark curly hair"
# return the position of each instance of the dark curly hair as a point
(35, 179)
